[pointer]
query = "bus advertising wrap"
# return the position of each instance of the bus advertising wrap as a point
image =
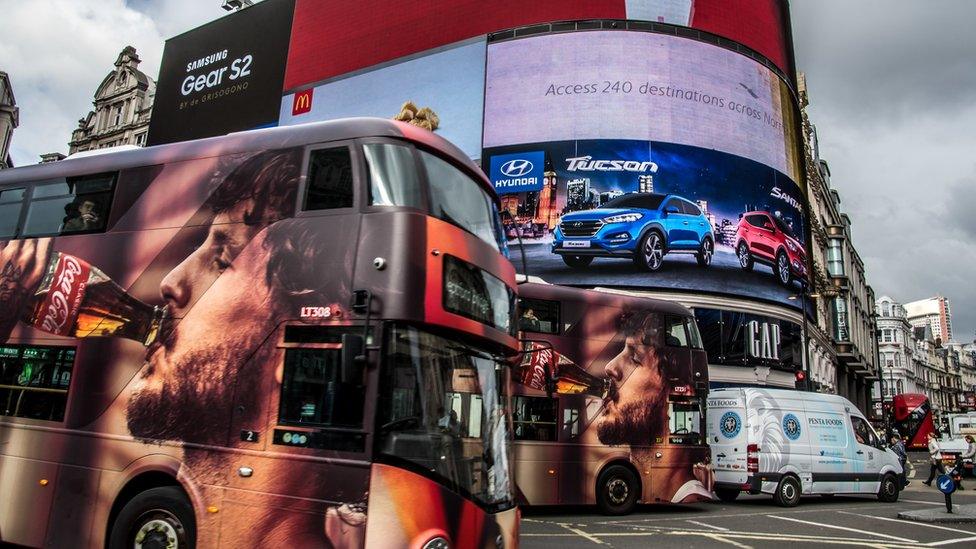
(186, 315)
(668, 163)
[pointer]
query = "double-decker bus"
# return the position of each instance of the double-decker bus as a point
(913, 419)
(608, 407)
(292, 337)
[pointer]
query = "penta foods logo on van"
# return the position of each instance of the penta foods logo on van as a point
(791, 426)
(730, 424)
(825, 422)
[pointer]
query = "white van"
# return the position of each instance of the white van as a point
(787, 443)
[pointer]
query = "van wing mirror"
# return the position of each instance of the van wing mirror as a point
(353, 359)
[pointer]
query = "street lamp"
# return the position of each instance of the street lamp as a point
(805, 364)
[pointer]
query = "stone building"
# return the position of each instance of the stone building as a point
(9, 119)
(123, 103)
(842, 342)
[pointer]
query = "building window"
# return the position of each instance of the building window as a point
(885, 309)
(118, 111)
(141, 139)
(835, 257)
(887, 336)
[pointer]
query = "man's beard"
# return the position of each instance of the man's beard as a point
(633, 423)
(192, 402)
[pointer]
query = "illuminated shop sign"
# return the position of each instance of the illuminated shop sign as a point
(741, 339)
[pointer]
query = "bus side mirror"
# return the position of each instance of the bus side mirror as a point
(353, 359)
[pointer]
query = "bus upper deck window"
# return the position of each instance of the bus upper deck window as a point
(392, 175)
(75, 205)
(11, 201)
(330, 182)
(457, 198)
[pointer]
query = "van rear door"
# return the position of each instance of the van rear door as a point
(728, 437)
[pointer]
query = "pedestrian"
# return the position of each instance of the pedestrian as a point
(898, 447)
(969, 453)
(935, 459)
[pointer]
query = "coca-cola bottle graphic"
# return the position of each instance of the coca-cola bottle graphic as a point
(77, 299)
(567, 376)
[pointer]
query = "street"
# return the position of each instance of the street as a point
(755, 522)
(680, 271)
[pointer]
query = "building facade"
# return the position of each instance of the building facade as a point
(933, 312)
(914, 360)
(123, 103)
(842, 342)
(9, 119)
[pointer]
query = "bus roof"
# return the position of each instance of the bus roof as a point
(243, 142)
(533, 290)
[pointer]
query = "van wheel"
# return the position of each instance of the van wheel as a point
(616, 490)
(787, 492)
(578, 261)
(728, 495)
(159, 517)
(888, 492)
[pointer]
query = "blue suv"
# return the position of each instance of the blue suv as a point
(642, 226)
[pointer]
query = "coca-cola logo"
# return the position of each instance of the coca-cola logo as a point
(537, 368)
(67, 289)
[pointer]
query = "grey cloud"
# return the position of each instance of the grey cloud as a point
(881, 60)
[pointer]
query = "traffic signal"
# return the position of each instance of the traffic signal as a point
(802, 382)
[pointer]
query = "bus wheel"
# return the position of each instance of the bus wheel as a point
(888, 492)
(616, 490)
(159, 518)
(728, 495)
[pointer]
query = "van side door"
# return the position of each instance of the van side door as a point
(867, 456)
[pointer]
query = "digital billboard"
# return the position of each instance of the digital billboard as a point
(670, 163)
(223, 77)
(332, 37)
(449, 81)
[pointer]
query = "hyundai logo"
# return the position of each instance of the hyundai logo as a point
(578, 224)
(516, 168)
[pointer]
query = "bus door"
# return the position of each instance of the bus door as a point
(312, 446)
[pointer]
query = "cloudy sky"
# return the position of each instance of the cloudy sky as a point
(892, 89)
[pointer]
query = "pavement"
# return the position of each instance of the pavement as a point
(756, 522)
(679, 272)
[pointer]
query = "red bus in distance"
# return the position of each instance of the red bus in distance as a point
(913, 419)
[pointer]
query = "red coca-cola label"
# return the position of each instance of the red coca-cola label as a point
(58, 312)
(535, 375)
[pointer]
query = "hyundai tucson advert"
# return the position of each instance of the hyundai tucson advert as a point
(673, 166)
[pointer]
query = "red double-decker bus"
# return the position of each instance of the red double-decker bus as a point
(913, 419)
(289, 337)
(608, 405)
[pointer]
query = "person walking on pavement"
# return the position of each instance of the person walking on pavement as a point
(935, 459)
(968, 453)
(898, 447)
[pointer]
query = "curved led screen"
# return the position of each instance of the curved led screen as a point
(647, 160)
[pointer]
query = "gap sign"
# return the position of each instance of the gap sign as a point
(520, 172)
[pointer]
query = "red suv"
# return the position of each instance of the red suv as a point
(765, 238)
